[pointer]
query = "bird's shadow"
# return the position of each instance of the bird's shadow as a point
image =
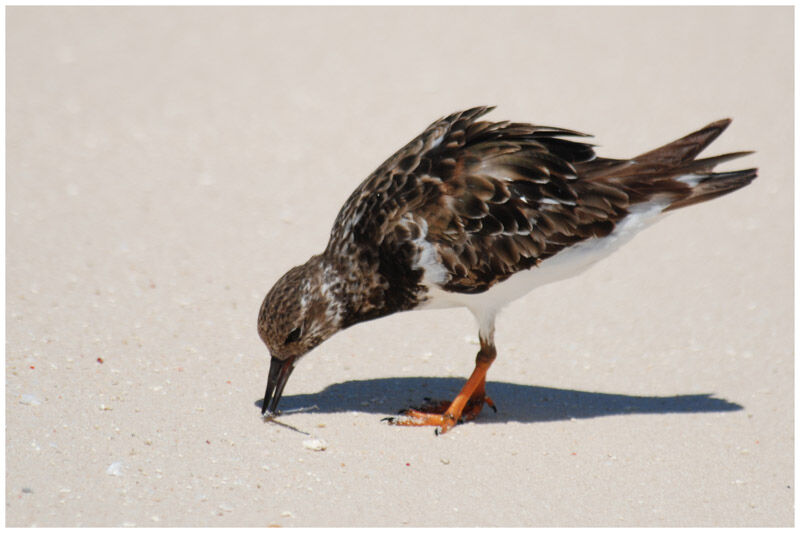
(521, 403)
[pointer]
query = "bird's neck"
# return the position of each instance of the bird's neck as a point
(366, 290)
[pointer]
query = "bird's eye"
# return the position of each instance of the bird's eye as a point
(293, 336)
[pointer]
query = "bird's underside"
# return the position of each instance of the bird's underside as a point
(469, 204)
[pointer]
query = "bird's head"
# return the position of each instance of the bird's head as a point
(299, 312)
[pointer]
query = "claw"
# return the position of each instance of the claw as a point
(488, 401)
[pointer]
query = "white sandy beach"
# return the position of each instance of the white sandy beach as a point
(166, 165)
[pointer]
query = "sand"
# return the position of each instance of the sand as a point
(166, 166)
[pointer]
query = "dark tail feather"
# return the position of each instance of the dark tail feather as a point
(686, 148)
(707, 164)
(715, 185)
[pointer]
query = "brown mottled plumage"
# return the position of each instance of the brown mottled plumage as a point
(464, 212)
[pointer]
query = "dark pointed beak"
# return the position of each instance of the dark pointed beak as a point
(279, 372)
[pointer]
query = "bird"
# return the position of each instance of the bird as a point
(474, 213)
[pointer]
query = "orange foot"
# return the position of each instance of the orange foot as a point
(442, 414)
(466, 405)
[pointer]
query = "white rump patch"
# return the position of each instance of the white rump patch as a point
(691, 179)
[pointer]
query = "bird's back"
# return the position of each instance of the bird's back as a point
(469, 203)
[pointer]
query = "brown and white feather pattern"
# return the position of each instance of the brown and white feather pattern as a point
(468, 203)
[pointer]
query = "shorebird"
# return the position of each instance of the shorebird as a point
(476, 214)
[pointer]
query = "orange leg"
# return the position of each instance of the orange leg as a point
(466, 405)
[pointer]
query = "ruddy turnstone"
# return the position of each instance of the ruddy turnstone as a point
(476, 214)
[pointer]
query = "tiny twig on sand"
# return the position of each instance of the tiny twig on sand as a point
(271, 418)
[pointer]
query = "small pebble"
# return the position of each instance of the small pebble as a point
(29, 399)
(115, 469)
(315, 444)
(287, 514)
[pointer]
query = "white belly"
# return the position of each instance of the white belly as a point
(565, 264)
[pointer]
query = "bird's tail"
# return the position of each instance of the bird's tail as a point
(704, 183)
(674, 172)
